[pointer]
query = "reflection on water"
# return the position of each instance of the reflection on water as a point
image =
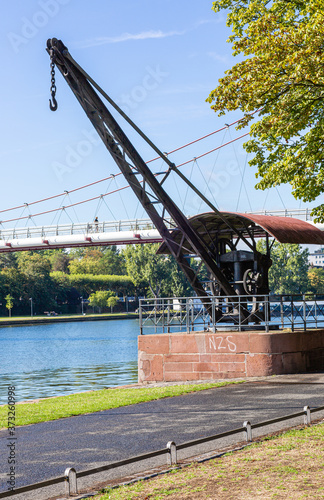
(50, 360)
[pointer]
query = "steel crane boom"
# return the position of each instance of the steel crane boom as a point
(144, 183)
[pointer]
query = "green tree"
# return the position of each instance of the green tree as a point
(158, 275)
(13, 282)
(105, 260)
(112, 302)
(100, 299)
(316, 280)
(281, 77)
(9, 303)
(147, 269)
(8, 260)
(86, 265)
(59, 261)
(38, 284)
(289, 271)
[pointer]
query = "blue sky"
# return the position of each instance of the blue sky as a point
(159, 60)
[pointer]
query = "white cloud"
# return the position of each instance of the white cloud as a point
(218, 20)
(124, 37)
(218, 57)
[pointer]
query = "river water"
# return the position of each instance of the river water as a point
(64, 358)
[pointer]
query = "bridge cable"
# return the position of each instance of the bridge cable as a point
(212, 171)
(283, 204)
(242, 177)
(208, 187)
(239, 196)
(119, 189)
(119, 173)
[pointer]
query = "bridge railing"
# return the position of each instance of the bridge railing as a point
(78, 228)
(121, 225)
(239, 312)
(302, 213)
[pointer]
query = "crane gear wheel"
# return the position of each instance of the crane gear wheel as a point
(252, 281)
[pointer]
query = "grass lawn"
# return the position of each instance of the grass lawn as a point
(87, 402)
(290, 466)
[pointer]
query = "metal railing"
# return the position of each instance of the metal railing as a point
(121, 225)
(170, 451)
(301, 213)
(240, 312)
(79, 228)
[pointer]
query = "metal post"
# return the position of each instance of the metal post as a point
(292, 313)
(267, 307)
(282, 312)
(172, 453)
(141, 316)
(187, 316)
(70, 478)
(315, 312)
(192, 309)
(162, 305)
(240, 315)
(304, 313)
(307, 416)
(168, 316)
(214, 314)
(248, 430)
(31, 306)
(155, 318)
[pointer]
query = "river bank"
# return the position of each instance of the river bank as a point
(66, 318)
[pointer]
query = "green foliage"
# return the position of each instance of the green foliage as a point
(60, 261)
(112, 302)
(316, 280)
(9, 303)
(146, 268)
(8, 260)
(288, 273)
(158, 275)
(56, 279)
(101, 299)
(88, 283)
(281, 77)
(35, 269)
(99, 261)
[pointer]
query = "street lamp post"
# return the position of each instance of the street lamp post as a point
(31, 306)
(81, 305)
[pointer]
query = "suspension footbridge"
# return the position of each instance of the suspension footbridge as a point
(122, 232)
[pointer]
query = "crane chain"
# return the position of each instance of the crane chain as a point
(52, 101)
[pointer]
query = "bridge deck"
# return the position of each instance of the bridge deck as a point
(102, 233)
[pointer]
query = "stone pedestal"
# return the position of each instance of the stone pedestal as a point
(203, 356)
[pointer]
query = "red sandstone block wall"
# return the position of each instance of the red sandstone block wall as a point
(202, 356)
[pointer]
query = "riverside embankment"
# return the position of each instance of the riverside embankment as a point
(39, 320)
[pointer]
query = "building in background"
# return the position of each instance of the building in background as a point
(316, 258)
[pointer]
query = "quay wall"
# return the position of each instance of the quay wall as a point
(205, 356)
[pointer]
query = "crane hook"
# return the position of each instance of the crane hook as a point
(53, 102)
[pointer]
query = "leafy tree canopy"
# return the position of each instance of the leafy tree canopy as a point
(8, 260)
(316, 280)
(99, 261)
(281, 77)
(288, 273)
(158, 274)
(102, 299)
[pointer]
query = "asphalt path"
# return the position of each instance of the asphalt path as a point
(45, 450)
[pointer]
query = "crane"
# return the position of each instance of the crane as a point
(231, 271)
